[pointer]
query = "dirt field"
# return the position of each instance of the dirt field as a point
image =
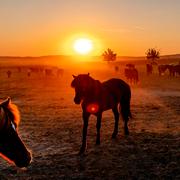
(51, 127)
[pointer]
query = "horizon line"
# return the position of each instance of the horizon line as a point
(51, 55)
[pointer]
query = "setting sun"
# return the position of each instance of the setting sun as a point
(83, 46)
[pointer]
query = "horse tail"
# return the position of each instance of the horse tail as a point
(125, 104)
(129, 100)
(129, 108)
(130, 114)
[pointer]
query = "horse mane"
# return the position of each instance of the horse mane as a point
(91, 80)
(14, 111)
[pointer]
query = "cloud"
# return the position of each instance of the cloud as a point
(123, 30)
(116, 30)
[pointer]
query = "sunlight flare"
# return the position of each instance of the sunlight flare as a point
(83, 46)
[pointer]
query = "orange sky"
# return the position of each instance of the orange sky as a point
(49, 27)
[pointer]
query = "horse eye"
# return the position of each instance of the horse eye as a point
(13, 126)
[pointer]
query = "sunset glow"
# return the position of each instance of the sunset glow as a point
(124, 26)
(83, 46)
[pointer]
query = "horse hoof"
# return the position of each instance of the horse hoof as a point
(81, 152)
(97, 142)
(127, 133)
(114, 136)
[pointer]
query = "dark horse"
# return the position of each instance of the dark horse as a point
(11, 146)
(131, 75)
(149, 69)
(96, 97)
(162, 69)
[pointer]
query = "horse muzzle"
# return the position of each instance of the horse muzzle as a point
(77, 100)
(24, 162)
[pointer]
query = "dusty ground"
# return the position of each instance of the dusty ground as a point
(51, 128)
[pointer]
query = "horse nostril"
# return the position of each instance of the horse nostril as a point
(25, 161)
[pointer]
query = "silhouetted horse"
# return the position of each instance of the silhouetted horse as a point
(96, 97)
(174, 70)
(130, 65)
(11, 146)
(60, 72)
(132, 75)
(8, 73)
(149, 69)
(48, 72)
(162, 68)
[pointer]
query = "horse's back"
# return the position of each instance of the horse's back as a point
(117, 88)
(114, 82)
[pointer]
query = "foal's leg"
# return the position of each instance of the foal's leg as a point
(116, 117)
(98, 127)
(84, 132)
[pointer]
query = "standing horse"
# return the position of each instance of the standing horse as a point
(162, 69)
(174, 70)
(96, 97)
(149, 69)
(132, 75)
(11, 146)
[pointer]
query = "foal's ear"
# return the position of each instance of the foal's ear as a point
(74, 76)
(88, 73)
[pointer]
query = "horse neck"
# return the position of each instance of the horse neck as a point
(4, 123)
(94, 90)
(2, 117)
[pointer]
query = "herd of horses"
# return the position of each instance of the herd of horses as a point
(94, 96)
(132, 75)
(46, 71)
(174, 70)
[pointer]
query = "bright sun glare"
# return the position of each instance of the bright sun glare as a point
(83, 46)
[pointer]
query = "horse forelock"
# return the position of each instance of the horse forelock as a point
(73, 83)
(82, 80)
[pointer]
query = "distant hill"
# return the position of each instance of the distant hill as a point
(173, 56)
(64, 60)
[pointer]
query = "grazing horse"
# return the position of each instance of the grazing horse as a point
(96, 97)
(174, 70)
(8, 73)
(11, 146)
(149, 69)
(60, 72)
(130, 65)
(162, 68)
(132, 75)
(177, 70)
(48, 72)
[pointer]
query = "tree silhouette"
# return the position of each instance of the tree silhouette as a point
(152, 54)
(109, 55)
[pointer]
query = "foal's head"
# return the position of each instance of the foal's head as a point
(82, 85)
(11, 146)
